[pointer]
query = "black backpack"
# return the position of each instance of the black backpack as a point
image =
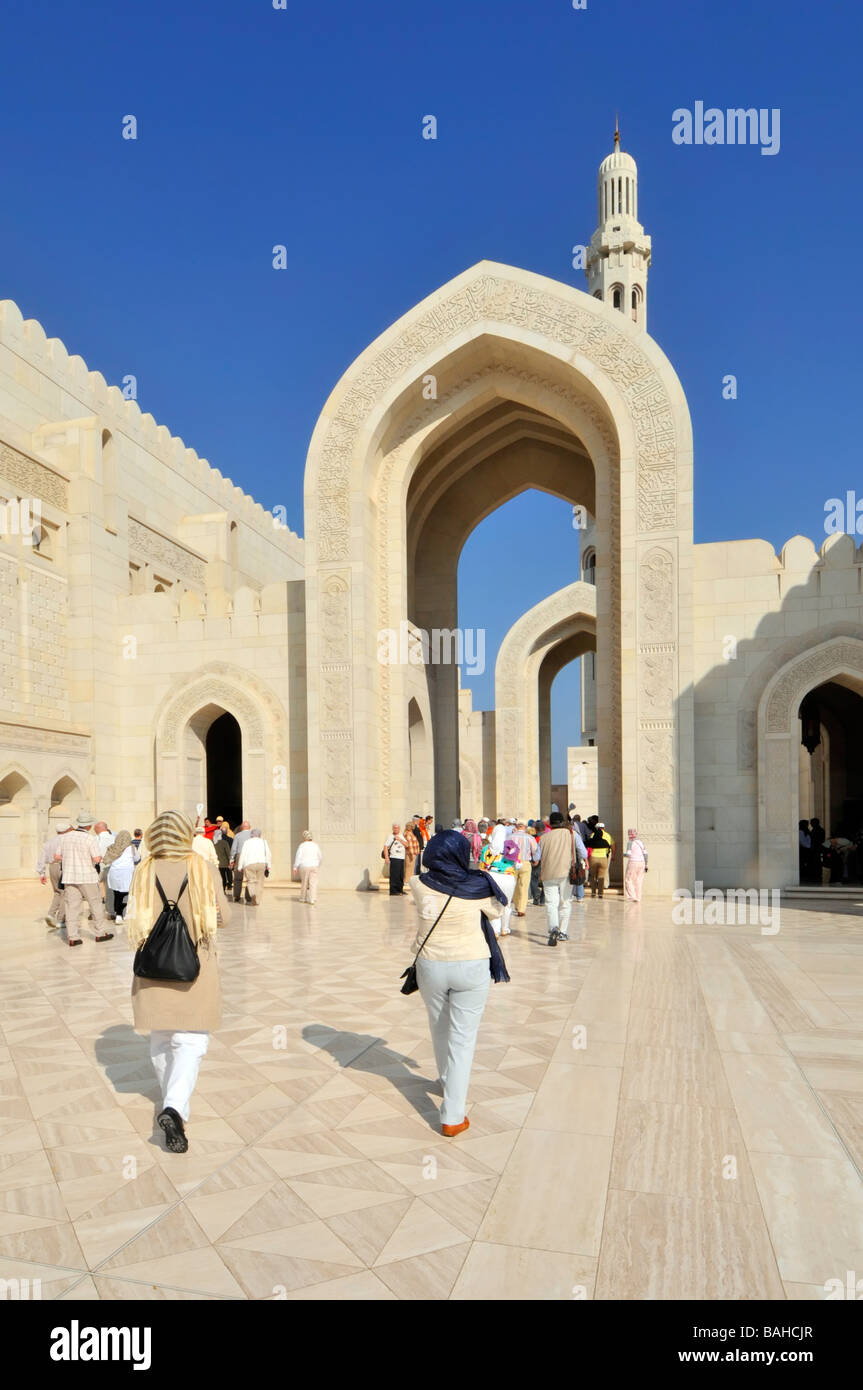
(169, 952)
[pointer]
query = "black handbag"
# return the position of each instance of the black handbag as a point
(169, 953)
(410, 985)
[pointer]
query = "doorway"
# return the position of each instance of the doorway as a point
(223, 747)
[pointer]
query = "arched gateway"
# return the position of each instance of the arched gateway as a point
(538, 646)
(538, 385)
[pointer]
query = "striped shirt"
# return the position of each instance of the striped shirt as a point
(79, 849)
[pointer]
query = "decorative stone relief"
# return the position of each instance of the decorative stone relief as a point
(223, 684)
(33, 479)
(214, 692)
(656, 800)
(21, 736)
(336, 698)
(150, 545)
(338, 781)
(806, 673)
(335, 625)
(657, 660)
(656, 593)
(747, 740)
(336, 703)
(657, 683)
(498, 300)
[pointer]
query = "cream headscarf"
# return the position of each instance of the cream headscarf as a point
(170, 837)
(121, 842)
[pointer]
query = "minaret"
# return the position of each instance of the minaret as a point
(619, 251)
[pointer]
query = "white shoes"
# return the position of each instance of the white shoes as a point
(118, 921)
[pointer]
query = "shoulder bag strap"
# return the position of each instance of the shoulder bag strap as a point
(165, 901)
(433, 925)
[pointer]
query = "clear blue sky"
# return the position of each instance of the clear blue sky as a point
(302, 126)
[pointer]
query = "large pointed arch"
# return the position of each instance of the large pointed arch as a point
(547, 367)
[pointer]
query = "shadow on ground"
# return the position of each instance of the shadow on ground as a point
(365, 1053)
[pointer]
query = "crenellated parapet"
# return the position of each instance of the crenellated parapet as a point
(68, 372)
(212, 604)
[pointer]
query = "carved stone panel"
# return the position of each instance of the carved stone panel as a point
(158, 549)
(804, 675)
(656, 597)
(33, 479)
(558, 318)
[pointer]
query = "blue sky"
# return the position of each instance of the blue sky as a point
(260, 126)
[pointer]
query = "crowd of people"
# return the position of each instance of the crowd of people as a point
(176, 884)
(549, 861)
(89, 868)
(834, 859)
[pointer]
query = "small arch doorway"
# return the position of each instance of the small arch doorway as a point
(831, 775)
(223, 747)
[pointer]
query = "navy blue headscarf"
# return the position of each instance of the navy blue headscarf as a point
(446, 868)
(446, 859)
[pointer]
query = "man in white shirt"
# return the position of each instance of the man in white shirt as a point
(306, 863)
(254, 860)
(244, 830)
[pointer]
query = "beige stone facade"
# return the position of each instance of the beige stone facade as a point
(158, 598)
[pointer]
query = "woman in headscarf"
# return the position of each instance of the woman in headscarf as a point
(178, 1016)
(636, 866)
(456, 961)
(474, 839)
(120, 859)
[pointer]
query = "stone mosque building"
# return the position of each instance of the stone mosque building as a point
(165, 641)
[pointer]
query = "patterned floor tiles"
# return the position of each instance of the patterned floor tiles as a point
(656, 1112)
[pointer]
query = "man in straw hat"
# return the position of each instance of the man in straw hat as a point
(80, 854)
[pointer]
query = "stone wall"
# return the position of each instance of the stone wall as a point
(88, 650)
(754, 612)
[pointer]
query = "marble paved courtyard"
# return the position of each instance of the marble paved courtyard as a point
(657, 1112)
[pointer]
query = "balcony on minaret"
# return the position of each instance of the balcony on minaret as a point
(619, 253)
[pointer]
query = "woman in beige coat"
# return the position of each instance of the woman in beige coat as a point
(178, 1016)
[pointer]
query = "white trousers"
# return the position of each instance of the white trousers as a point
(558, 903)
(454, 993)
(177, 1060)
(308, 884)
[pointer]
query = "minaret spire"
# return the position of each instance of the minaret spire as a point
(619, 252)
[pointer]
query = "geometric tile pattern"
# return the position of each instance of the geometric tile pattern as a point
(657, 1112)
